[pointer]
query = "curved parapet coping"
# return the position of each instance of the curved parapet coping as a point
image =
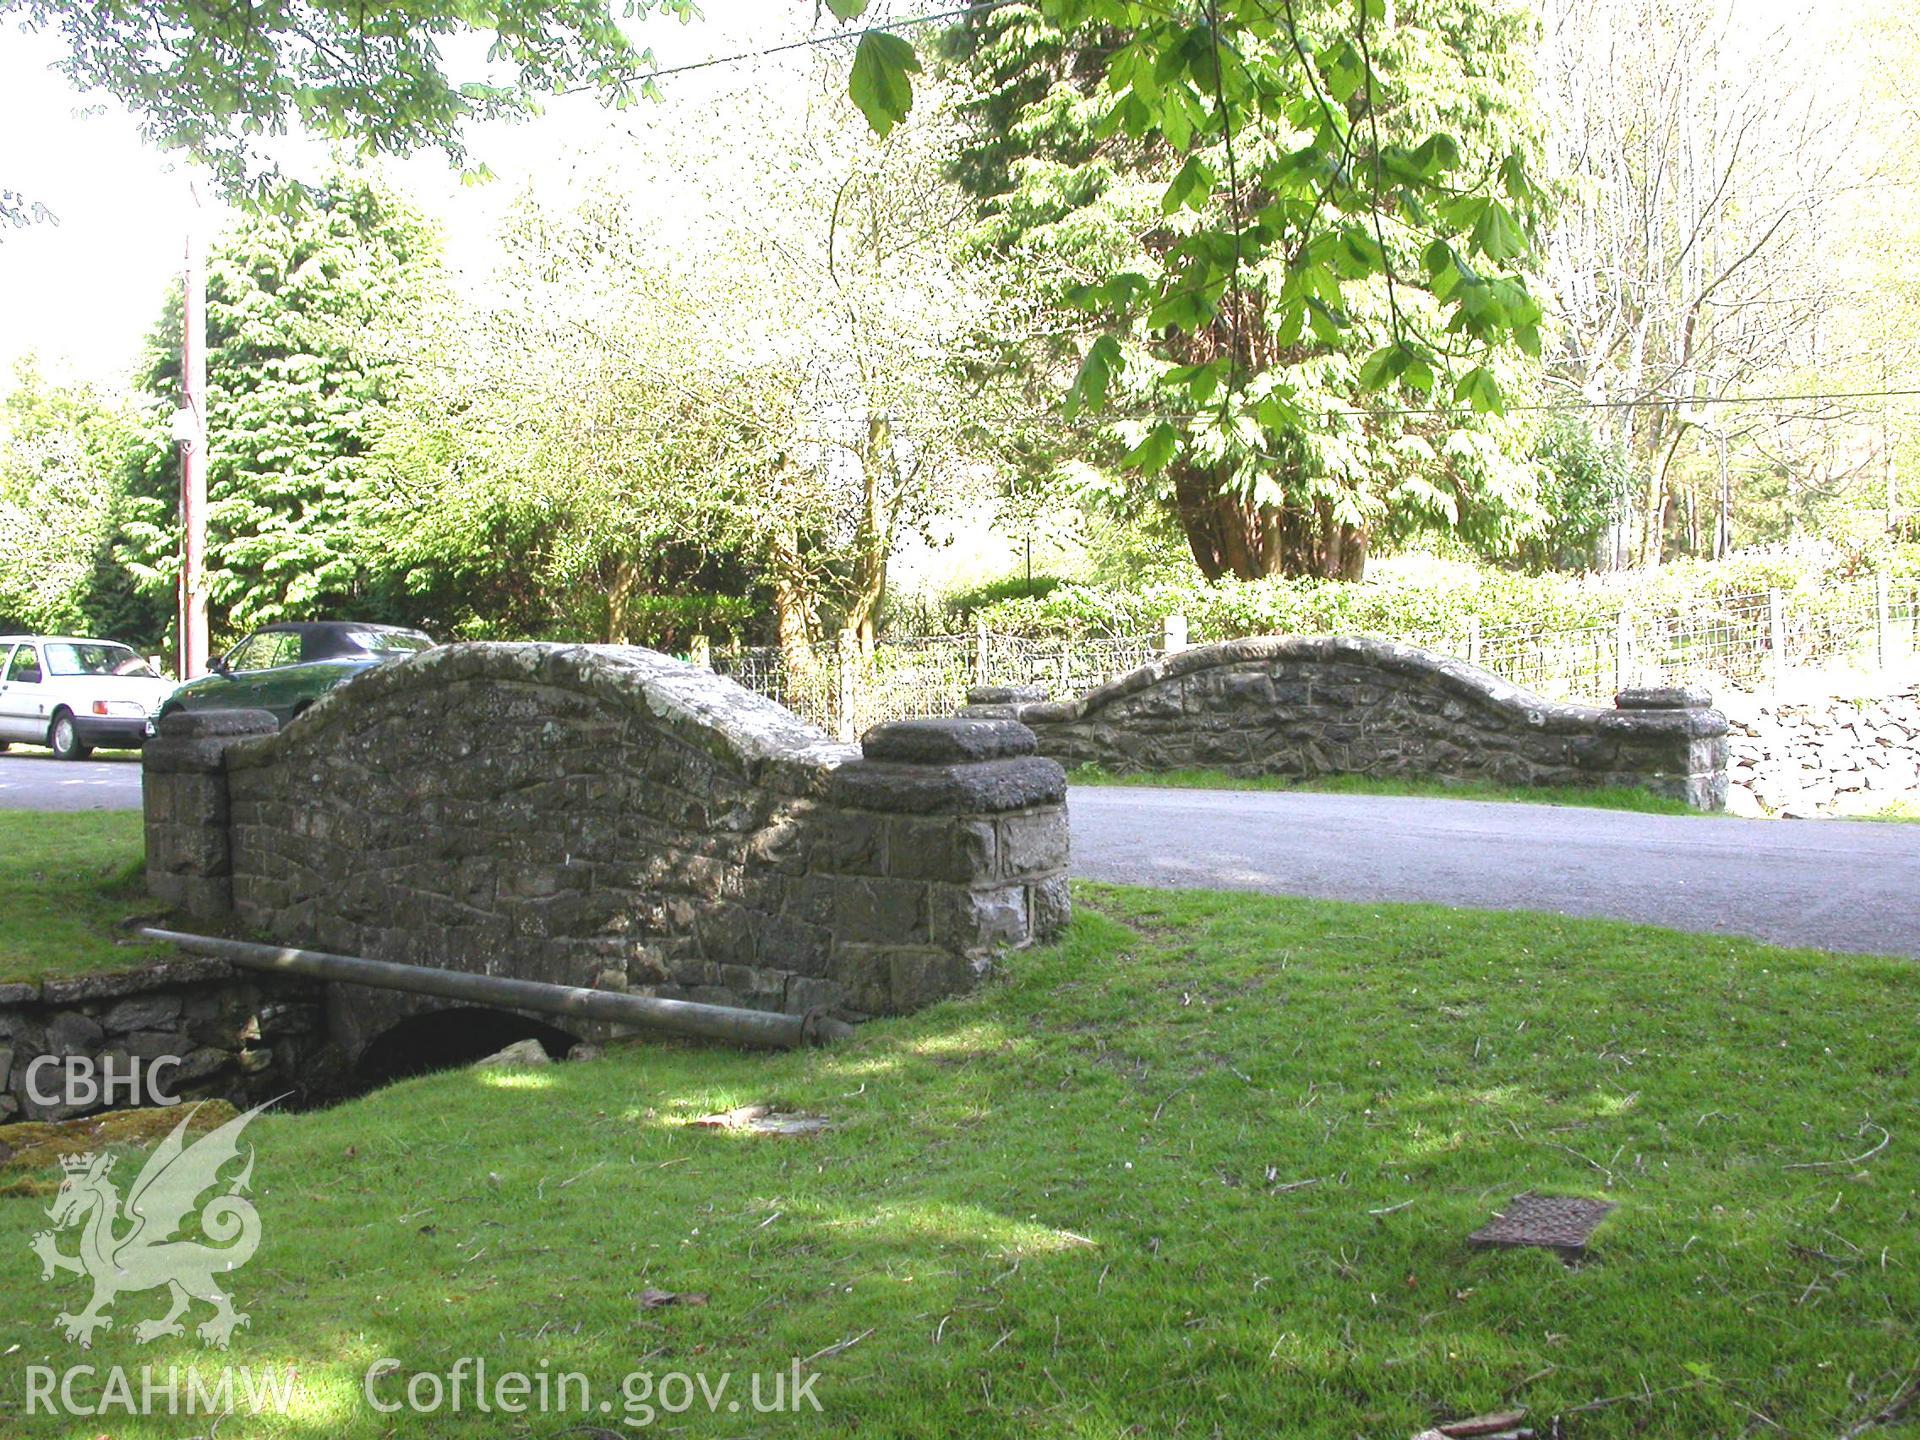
(751, 734)
(1449, 676)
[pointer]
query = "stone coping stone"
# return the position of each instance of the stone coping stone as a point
(986, 787)
(207, 724)
(756, 737)
(113, 984)
(1663, 697)
(944, 741)
(1005, 694)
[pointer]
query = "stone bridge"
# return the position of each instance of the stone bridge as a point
(609, 817)
(1351, 705)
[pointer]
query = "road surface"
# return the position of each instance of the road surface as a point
(1832, 884)
(33, 780)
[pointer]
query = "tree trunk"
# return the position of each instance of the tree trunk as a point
(626, 578)
(1353, 554)
(792, 600)
(1232, 538)
(873, 539)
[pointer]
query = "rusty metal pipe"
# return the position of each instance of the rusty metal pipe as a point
(642, 1012)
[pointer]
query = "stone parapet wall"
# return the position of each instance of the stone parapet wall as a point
(608, 816)
(1340, 705)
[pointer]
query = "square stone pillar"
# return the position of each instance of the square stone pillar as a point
(183, 787)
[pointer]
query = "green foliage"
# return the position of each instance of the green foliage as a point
(218, 82)
(63, 457)
(1297, 231)
(880, 82)
(962, 604)
(1428, 605)
(306, 315)
(1583, 481)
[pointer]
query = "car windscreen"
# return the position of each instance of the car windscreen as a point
(87, 658)
(390, 642)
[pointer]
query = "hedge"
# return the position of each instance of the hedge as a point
(1813, 579)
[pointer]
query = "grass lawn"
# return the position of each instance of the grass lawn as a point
(66, 880)
(1610, 797)
(1204, 1168)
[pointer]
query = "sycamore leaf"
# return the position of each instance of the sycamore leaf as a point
(847, 9)
(881, 83)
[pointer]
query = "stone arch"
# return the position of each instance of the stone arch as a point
(450, 1036)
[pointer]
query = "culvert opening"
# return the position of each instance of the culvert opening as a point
(447, 1039)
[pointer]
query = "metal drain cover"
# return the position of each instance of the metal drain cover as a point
(1552, 1222)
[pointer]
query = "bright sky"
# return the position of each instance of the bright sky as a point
(83, 293)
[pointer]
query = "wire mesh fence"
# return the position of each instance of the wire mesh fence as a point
(1753, 642)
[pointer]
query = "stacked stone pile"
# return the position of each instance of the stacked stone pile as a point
(1799, 758)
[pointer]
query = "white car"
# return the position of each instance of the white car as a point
(72, 694)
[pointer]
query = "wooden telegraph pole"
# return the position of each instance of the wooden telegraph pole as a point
(190, 430)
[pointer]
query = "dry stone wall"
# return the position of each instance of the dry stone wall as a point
(211, 1029)
(1340, 705)
(1804, 757)
(608, 816)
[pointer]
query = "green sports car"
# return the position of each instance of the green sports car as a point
(285, 668)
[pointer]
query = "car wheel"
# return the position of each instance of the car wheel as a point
(64, 738)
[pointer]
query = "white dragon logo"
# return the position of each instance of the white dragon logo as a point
(131, 1248)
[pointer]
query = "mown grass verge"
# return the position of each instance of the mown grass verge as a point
(67, 882)
(1205, 1167)
(1612, 797)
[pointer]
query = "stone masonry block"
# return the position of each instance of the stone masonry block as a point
(955, 849)
(977, 921)
(1034, 844)
(893, 911)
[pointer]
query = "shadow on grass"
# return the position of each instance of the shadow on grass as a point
(1205, 1166)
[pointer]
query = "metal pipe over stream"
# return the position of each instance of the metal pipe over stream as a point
(642, 1012)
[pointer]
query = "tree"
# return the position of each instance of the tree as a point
(1316, 203)
(725, 367)
(1699, 158)
(63, 461)
(215, 81)
(1254, 428)
(838, 256)
(563, 459)
(300, 317)
(1583, 482)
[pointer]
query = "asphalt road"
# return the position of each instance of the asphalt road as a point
(33, 780)
(1832, 884)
